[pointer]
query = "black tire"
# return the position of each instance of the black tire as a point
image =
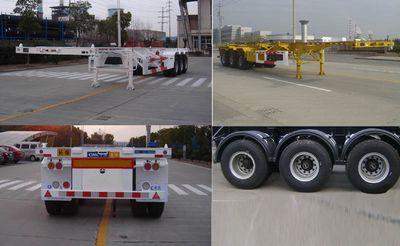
(180, 64)
(315, 157)
(16, 161)
(138, 71)
(53, 207)
(241, 152)
(32, 158)
(224, 56)
(155, 209)
(175, 70)
(139, 209)
(243, 64)
(233, 59)
(389, 168)
(185, 63)
(70, 207)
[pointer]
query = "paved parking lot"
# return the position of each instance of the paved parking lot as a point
(353, 92)
(62, 95)
(276, 215)
(24, 221)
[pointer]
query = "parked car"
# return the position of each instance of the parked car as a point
(29, 148)
(17, 153)
(7, 155)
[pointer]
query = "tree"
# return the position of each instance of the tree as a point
(81, 20)
(109, 139)
(396, 47)
(109, 28)
(29, 22)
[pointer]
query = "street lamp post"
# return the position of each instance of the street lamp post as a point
(294, 35)
(119, 22)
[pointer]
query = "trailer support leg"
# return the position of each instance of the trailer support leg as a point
(114, 206)
(130, 86)
(322, 62)
(298, 72)
(95, 83)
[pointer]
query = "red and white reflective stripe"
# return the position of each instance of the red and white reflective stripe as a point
(106, 194)
(46, 155)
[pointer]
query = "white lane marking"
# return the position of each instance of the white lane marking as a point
(374, 70)
(292, 83)
(170, 81)
(210, 84)
(194, 190)
(205, 187)
(72, 75)
(78, 76)
(117, 78)
(10, 183)
(177, 189)
(184, 82)
(199, 82)
(156, 81)
(87, 77)
(108, 77)
(17, 187)
(34, 187)
(66, 74)
(144, 80)
(4, 180)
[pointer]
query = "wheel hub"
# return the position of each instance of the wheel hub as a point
(373, 167)
(304, 166)
(242, 165)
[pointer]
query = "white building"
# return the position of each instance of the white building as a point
(231, 33)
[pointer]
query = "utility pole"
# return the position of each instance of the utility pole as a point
(294, 35)
(220, 21)
(169, 6)
(162, 22)
(119, 22)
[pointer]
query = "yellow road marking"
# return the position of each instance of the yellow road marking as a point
(101, 239)
(55, 105)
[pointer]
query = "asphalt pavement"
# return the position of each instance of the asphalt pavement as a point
(276, 215)
(62, 95)
(24, 221)
(353, 92)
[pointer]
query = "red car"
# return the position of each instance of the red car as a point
(17, 153)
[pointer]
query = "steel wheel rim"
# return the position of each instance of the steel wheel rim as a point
(242, 165)
(304, 166)
(373, 167)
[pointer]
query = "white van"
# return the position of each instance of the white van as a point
(29, 149)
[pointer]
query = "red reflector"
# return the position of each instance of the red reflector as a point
(147, 166)
(47, 155)
(70, 193)
(159, 156)
(50, 165)
(156, 196)
(102, 194)
(136, 195)
(156, 166)
(66, 184)
(59, 165)
(119, 194)
(48, 194)
(86, 194)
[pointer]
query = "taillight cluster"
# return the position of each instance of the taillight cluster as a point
(51, 165)
(148, 166)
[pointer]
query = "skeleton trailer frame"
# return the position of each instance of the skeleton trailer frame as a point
(247, 55)
(305, 156)
(70, 175)
(131, 61)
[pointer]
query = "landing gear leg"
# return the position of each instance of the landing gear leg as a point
(321, 62)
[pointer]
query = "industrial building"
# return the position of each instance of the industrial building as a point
(195, 31)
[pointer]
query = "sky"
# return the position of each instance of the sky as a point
(145, 11)
(327, 17)
(121, 133)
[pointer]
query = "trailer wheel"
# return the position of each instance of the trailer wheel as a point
(70, 207)
(224, 56)
(173, 72)
(243, 64)
(185, 62)
(53, 207)
(233, 59)
(180, 64)
(244, 164)
(138, 71)
(373, 166)
(305, 165)
(156, 209)
(139, 209)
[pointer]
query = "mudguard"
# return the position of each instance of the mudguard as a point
(262, 139)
